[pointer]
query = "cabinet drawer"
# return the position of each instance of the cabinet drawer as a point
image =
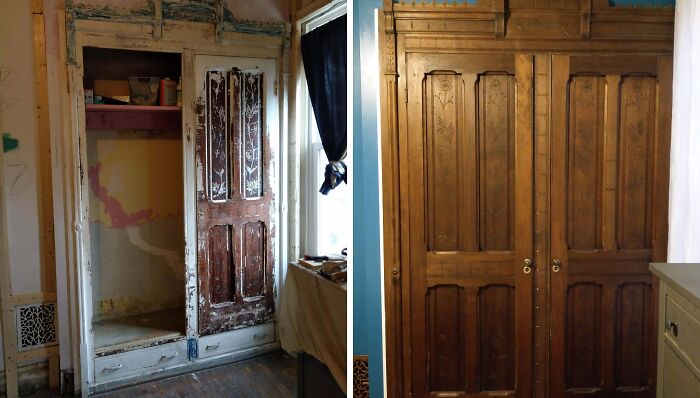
(235, 340)
(686, 332)
(117, 366)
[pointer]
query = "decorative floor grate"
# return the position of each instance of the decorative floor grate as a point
(360, 376)
(36, 326)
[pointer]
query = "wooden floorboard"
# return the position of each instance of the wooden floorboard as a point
(272, 375)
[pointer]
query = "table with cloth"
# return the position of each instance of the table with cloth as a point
(313, 319)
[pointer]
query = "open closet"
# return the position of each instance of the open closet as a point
(135, 179)
(172, 146)
(525, 157)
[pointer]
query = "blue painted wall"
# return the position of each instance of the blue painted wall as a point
(367, 321)
(367, 326)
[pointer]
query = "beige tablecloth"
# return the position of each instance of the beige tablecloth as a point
(313, 319)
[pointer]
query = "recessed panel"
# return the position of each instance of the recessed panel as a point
(445, 181)
(217, 135)
(497, 337)
(496, 162)
(446, 324)
(583, 335)
(585, 161)
(249, 129)
(221, 265)
(637, 126)
(254, 237)
(632, 327)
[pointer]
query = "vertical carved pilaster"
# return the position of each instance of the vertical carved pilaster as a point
(499, 8)
(585, 19)
(157, 19)
(70, 32)
(219, 20)
(390, 189)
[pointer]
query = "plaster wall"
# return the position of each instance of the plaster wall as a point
(136, 221)
(19, 130)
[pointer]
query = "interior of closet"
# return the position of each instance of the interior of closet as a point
(135, 174)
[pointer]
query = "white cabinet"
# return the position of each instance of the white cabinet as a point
(678, 371)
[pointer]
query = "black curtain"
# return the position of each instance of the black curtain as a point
(324, 52)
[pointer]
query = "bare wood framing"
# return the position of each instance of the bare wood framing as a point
(48, 256)
(429, 27)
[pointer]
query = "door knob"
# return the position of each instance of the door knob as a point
(672, 326)
(528, 266)
(556, 265)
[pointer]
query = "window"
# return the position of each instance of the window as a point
(328, 218)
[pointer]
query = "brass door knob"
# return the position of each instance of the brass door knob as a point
(528, 266)
(556, 265)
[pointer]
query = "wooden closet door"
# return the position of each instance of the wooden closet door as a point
(235, 147)
(610, 146)
(467, 176)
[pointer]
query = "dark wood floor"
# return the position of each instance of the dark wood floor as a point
(273, 375)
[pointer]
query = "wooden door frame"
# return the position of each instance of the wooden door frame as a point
(406, 27)
(188, 39)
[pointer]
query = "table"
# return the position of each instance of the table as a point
(313, 319)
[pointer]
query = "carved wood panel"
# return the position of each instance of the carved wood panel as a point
(468, 291)
(235, 255)
(606, 120)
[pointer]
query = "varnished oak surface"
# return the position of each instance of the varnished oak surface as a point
(685, 278)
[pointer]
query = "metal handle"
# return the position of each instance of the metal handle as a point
(528, 266)
(165, 356)
(113, 368)
(556, 265)
(672, 326)
(212, 347)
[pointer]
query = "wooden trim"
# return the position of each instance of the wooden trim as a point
(33, 298)
(390, 195)
(47, 252)
(37, 354)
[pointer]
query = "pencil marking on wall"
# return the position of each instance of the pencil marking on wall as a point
(16, 177)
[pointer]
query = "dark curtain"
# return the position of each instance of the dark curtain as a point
(324, 52)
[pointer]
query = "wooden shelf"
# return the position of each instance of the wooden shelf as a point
(132, 117)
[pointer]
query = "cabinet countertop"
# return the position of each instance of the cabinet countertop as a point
(685, 278)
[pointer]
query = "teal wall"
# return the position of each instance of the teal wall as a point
(367, 326)
(367, 322)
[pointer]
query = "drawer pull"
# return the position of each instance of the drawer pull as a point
(212, 347)
(113, 368)
(672, 326)
(167, 357)
(258, 336)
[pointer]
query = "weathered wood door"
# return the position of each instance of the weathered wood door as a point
(609, 157)
(235, 148)
(467, 221)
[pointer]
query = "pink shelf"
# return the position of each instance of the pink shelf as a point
(132, 117)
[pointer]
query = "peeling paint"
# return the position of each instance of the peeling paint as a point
(91, 11)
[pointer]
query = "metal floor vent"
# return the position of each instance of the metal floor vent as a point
(360, 377)
(36, 326)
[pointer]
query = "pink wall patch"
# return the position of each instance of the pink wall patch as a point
(113, 208)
